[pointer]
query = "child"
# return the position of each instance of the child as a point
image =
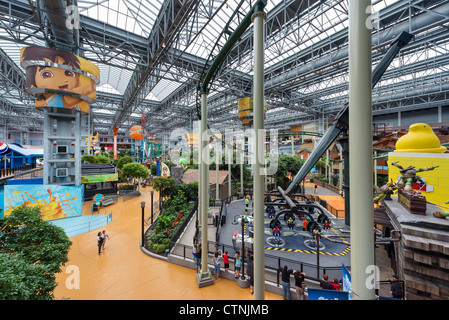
(276, 233)
(238, 264)
(226, 261)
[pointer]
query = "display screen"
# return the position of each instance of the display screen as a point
(59, 79)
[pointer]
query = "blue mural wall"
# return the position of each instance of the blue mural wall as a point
(56, 202)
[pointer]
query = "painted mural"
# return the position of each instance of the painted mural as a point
(56, 202)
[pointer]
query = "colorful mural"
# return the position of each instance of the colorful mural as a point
(56, 201)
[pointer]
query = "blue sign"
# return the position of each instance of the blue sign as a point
(346, 276)
(322, 294)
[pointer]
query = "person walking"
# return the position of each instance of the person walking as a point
(216, 260)
(99, 242)
(105, 236)
(238, 264)
(300, 284)
(286, 272)
(315, 189)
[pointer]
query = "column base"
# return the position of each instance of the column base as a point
(204, 279)
(243, 283)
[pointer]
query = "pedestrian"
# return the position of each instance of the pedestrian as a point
(316, 187)
(246, 202)
(226, 261)
(234, 239)
(198, 257)
(335, 285)
(286, 272)
(324, 282)
(304, 224)
(216, 260)
(104, 235)
(250, 272)
(300, 284)
(396, 287)
(238, 264)
(99, 242)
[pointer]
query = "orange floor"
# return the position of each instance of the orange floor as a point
(124, 272)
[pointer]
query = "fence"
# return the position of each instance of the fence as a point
(94, 222)
(336, 212)
(128, 194)
(272, 263)
(12, 171)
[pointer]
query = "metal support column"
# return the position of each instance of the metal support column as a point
(259, 156)
(47, 147)
(204, 277)
(360, 139)
(77, 148)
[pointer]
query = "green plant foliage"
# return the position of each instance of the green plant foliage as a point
(124, 160)
(286, 164)
(174, 213)
(190, 190)
(89, 158)
(135, 170)
(103, 159)
(32, 251)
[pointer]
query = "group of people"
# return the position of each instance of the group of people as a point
(300, 282)
(329, 285)
(101, 240)
(216, 261)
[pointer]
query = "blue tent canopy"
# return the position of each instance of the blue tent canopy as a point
(18, 156)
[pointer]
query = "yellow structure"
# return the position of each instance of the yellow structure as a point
(246, 110)
(421, 148)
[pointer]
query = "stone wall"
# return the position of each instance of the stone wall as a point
(422, 253)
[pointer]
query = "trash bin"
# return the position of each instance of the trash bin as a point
(166, 252)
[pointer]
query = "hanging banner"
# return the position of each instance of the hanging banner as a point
(59, 79)
(165, 170)
(322, 294)
(94, 178)
(346, 277)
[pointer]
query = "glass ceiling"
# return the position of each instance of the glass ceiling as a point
(138, 17)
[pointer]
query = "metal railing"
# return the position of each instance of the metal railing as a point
(103, 219)
(272, 263)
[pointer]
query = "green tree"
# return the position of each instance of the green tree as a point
(89, 158)
(103, 159)
(286, 164)
(32, 251)
(123, 161)
(166, 184)
(135, 170)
